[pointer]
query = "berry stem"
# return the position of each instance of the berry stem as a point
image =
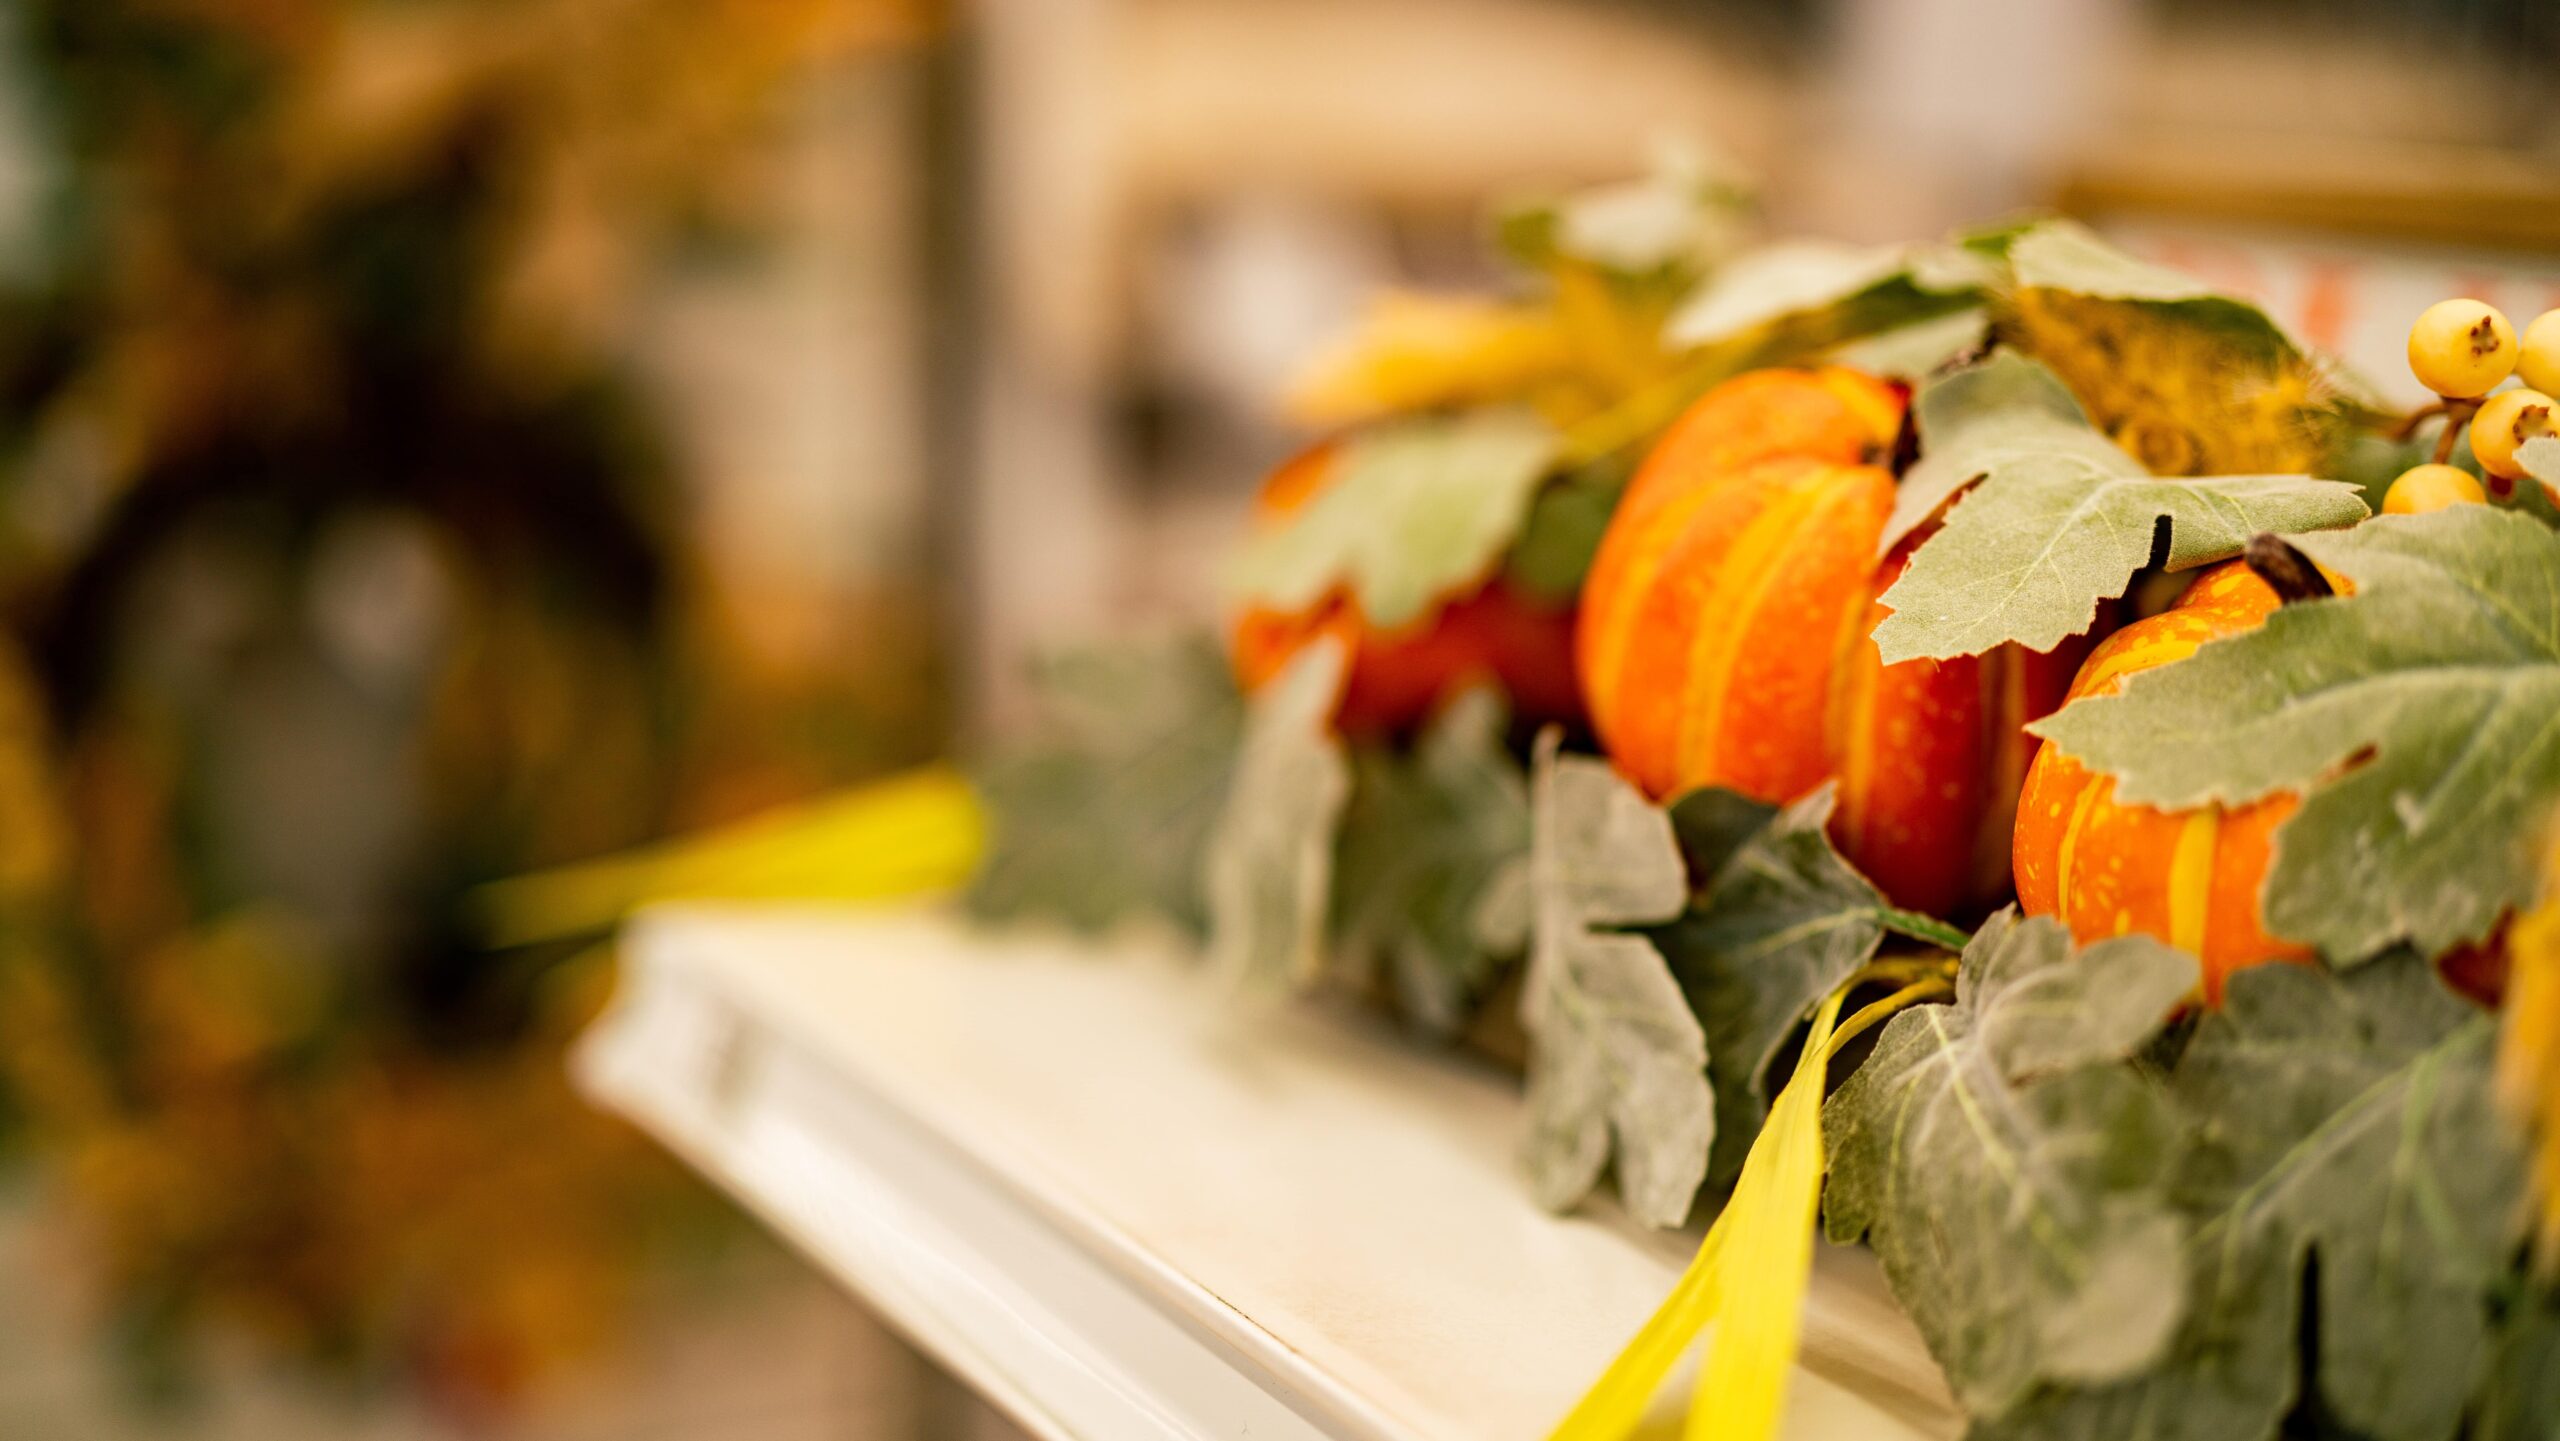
(2457, 414)
(2418, 417)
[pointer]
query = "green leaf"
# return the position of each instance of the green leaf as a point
(2348, 1118)
(1419, 510)
(2420, 717)
(1563, 531)
(2522, 1394)
(1779, 922)
(1616, 1060)
(2057, 518)
(1268, 867)
(2006, 1164)
(1433, 850)
(1682, 217)
(1105, 814)
(1821, 293)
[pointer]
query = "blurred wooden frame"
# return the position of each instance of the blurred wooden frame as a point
(2462, 196)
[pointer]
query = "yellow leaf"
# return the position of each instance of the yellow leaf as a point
(2182, 397)
(1415, 351)
(912, 834)
(1757, 1256)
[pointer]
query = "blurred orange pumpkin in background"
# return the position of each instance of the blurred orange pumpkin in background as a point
(1496, 632)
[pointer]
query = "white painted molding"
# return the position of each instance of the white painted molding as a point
(1120, 1209)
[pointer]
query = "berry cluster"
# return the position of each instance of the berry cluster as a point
(2463, 350)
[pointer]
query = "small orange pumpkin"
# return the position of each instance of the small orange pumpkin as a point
(2189, 877)
(1726, 640)
(1397, 676)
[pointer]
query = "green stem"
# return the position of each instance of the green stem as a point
(1922, 928)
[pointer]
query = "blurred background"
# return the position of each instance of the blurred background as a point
(444, 438)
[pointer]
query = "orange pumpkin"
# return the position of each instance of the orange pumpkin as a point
(1725, 640)
(2190, 877)
(1398, 675)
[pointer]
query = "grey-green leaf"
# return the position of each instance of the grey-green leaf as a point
(1425, 867)
(2006, 1163)
(2541, 460)
(1419, 511)
(2057, 518)
(1104, 814)
(2420, 715)
(1617, 1063)
(1779, 922)
(2347, 1117)
(1268, 868)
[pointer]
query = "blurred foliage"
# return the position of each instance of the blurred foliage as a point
(343, 567)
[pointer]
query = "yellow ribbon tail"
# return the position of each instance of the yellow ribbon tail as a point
(913, 834)
(1744, 1382)
(1749, 1279)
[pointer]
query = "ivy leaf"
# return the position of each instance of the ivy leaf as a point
(1429, 849)
(2006, 1164)
(1419, 510)
(2420, 717)
(1616, 1060)
(2057, 518)
(1818, 293)
(2347, 1117)
(1268, 866)
(1780, 921)
(1106, 813)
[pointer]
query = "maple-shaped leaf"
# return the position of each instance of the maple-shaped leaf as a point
(2344, 1119)
(2006, 1164)
(1778, 922)
(2419, 717)
(1268, 866)
(1617, 1063)
(1430, 863)
(2053, 518)
(1104, 812)
(1418, 511)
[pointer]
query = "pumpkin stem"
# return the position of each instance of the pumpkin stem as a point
(2287, 571)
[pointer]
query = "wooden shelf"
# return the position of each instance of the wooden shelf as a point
(1122, 1205)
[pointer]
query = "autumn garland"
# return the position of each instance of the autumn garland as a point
(1818, 510)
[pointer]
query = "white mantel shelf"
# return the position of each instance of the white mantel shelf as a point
(1123, 1207)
